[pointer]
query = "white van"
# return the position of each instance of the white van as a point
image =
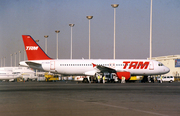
(169, 79)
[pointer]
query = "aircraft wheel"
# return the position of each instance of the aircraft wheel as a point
(85, 80)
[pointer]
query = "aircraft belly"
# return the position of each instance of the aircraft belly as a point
(144, 72)
(73, 70)
(139, 72)
(7, 77)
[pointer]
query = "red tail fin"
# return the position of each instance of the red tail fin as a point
(33, 50)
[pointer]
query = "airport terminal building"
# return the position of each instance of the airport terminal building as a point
(172, 62)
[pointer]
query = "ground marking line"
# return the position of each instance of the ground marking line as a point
(148, 112)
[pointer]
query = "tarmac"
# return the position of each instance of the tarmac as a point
(95, 99)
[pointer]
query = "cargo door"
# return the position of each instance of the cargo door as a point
(52, 65)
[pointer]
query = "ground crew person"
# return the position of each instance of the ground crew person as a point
(98, 79)
(123, 79)
(161, 79)
(103, 79)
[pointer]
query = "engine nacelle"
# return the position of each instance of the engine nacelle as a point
(127, 75)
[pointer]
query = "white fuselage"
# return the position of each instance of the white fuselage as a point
(6, 75)
(85, 67)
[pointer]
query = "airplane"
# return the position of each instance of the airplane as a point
(8, 75)
(11, 73)
(26, 73)
(38, 59)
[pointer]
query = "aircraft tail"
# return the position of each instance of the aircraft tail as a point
(33, 50)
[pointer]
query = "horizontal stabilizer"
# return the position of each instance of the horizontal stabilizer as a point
(33, 64)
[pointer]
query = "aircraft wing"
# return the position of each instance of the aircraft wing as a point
(104, 69)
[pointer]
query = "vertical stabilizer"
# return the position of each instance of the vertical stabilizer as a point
(33, 50)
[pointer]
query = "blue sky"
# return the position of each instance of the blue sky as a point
(42, 17)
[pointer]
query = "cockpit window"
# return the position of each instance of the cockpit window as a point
(160, 64)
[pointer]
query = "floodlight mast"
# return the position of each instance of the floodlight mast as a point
(71, 25)
(89, 17)
(46, 36)
(150, 52)
(114, 6)
(11, 59)
(57, 31)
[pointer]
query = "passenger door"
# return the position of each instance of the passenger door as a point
(151, 66)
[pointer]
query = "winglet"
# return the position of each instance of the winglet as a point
(33, 50)
(94, 65)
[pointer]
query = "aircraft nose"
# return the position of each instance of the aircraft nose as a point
(166, 69)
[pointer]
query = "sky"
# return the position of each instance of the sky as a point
(42, 17)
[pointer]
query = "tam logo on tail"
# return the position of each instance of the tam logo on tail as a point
(31, 47)
(33, 50)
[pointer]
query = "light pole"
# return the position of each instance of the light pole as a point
(114, 6)
(19, 56)
(46, 36)
(11, 59)
(36, 42)
(71, 25)
(1, 62)
(57, 31)
(15, 59)
(150, 32)
(24, 54)
(89, 17)
(4, 61)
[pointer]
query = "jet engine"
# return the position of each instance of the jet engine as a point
(127, 75)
